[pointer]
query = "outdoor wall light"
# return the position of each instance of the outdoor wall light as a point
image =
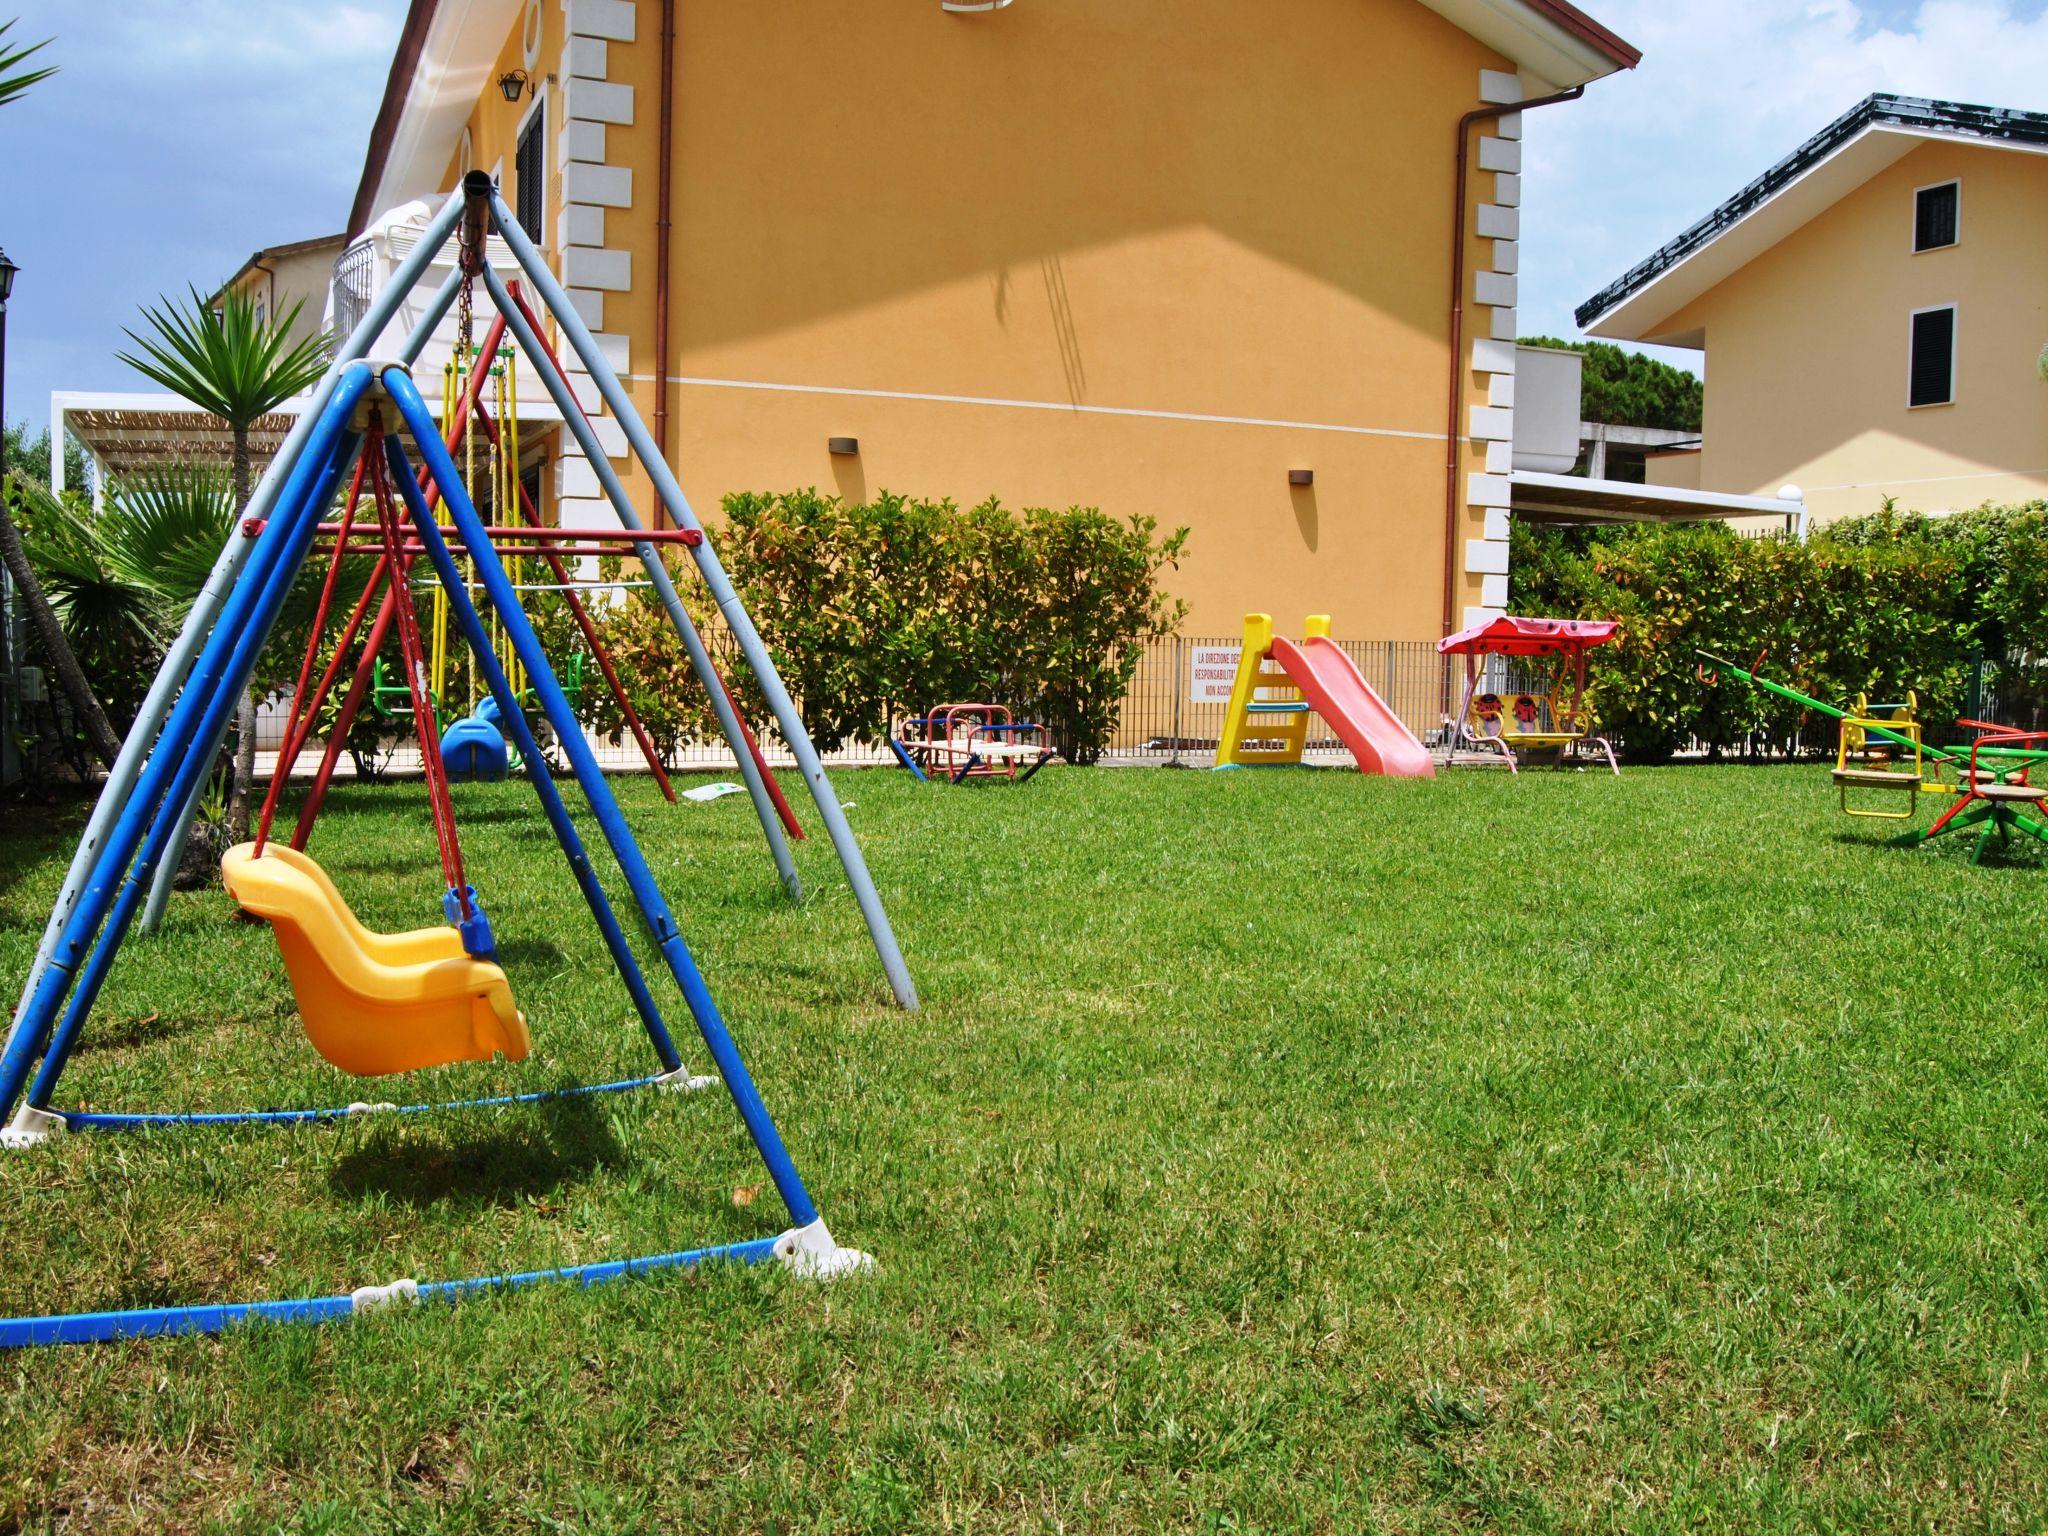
(7, 271)
(844, 446)
(515, 84)
(1301, 477)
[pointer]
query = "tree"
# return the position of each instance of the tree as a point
(1629, 389)
(30, 456)
(228, 360)
(31, 500)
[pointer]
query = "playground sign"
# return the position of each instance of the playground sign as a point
(1211, 671)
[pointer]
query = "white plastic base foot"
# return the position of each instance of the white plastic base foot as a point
(361, 1108)
(377, 1298)
(810, 1253)
(31, 1127)
(682, 1080)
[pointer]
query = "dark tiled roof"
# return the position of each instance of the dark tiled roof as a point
(1995, 124)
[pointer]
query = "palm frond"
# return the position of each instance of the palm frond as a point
(11, 83)
(162, 530)
(114, 625)
(227, 360)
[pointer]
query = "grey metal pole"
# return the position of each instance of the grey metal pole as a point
(174, 855)
(678, 507)
(178, 660)
(657, 573)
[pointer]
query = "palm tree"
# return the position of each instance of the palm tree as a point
(230, 360)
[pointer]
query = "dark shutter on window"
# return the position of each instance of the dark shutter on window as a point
(530, 177)
(1934, 217)
(1933, 368)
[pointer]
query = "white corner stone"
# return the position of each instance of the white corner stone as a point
(1510, 126)
(1506, 257)
(1474, 617)
(589, 306)
(1488, 490)
(1500, 458)
(1497, 521)
(579, 224)
(1498, 88)
(1490, 356)
(1500, 390)
(1497, 288)
(575, 479)
(1493, 591)
(1491, 424)
(1497, 154)
(606, 101)
(1497, 223)
(1486, 557)
(587, 512)
(617, 350)
(592, 266)
(589, 57)
(578, 142)
(1507, 190)
(1503, 323)
(609, 186)
(612, 19)
(611, 437)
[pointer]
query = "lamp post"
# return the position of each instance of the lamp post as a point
(7, 271)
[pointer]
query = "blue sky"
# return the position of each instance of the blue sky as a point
(183, 134)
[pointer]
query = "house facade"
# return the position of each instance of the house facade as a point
(279, 276)
(1871, 310)
(1146, 256)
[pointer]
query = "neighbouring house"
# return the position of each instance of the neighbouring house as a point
(280, 276)
(1156, 257)
(1871, 310)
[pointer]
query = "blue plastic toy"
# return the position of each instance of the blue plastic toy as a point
(474, 746)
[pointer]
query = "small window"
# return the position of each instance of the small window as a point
(529, 174)
(1932, 375)
(1935, 212)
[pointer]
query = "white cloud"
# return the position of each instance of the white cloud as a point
(1725, 90)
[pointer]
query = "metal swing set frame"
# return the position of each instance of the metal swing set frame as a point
(150, 794)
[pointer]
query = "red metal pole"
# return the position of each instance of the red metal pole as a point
(359, 685)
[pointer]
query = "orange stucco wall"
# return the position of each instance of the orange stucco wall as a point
(1031, 254)
(1807, 347)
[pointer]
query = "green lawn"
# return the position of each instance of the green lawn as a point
(1275, 1151)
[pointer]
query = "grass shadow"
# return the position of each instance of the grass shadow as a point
(564, 1142)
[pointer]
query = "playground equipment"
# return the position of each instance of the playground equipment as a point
(1891, 763)
(1553, 721)
(1279, 684)
(1990, 776)
(474, 746)
(1995, 796)
(363, 992)
(971, 741)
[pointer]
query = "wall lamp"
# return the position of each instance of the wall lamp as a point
(1301, 477)
(515, 84)
(843, 446)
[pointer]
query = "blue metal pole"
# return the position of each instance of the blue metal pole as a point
(162, 826)
(670, 490)
(200, 708)
(544, 786)
(661, 923)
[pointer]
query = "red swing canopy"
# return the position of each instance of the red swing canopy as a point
(1510, 636)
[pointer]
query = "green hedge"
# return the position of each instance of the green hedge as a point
(1874, 605)
(872, 610)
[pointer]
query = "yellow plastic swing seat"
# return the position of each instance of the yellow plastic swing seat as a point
(374, 1003)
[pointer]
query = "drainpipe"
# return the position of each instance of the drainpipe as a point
(1454, 436)
(661, 212)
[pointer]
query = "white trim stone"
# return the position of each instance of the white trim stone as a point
(1486, 557)
(1507, 190)
(1474, 617)
(1495, 288)
(611, 186)
(1497, 154)
(1489, 491)
(589, 266)
(1495, 222)
(579, 143)
(579, 224)
(1493, 591)
(606, 101)
(613, 19)
(1504, 322)
(1491, 356)
(1497, 522)
(1506, 258)
(1492, 424)
(1500, 458)
(1498, 88)
(589, 305)
(589, 57)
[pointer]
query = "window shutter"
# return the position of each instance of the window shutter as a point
(530, 175)
(1934, 217)
(1932, 379)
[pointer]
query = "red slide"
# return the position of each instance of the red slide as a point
(1338, 692)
